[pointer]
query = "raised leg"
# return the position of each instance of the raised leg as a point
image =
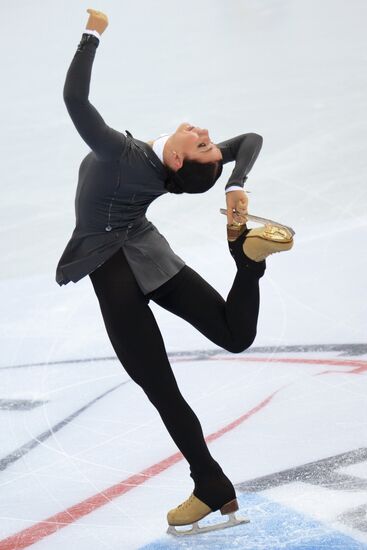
(231, 323)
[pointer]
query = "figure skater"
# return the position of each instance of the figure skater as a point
(130, 263)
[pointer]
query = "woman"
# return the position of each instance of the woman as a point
(130, 263)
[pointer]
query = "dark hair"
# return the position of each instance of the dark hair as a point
(194, 177)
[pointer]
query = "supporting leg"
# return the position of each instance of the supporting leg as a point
(138, 343)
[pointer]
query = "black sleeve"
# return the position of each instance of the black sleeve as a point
(243, 149)
(103, 140)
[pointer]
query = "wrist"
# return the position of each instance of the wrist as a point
(93, 32)
(88, 42)
(234, 187)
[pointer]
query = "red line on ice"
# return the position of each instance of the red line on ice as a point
(333, 362)
(44, 528)
(360, 366)
(40, 530)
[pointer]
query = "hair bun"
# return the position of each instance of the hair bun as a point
(194, 177)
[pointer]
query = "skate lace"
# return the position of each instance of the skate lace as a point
(187, 502)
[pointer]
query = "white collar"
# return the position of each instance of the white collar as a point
(158, 145)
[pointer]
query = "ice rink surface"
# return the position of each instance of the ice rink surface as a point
(85, 461)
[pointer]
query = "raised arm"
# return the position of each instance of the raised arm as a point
(107, 143)
(243, 150)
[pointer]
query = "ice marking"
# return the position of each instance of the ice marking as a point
(356, 518)
(360, 366)
(320, 472)
(273, 526)
(24, 449)
(47, 527)
(19, 404)
(342, 349)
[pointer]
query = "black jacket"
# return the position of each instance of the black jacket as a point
(118, 180)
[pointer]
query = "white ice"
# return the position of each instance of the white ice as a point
(293, 71)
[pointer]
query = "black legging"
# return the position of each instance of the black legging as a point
(138, 344)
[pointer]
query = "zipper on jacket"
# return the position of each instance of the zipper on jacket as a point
(109, 226)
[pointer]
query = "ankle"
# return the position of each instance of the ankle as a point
(234, 231)
(215, 491)
(243, 261)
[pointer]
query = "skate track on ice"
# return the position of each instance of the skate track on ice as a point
(313, 534)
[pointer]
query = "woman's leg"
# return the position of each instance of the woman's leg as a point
(138, 343)
(230, 324)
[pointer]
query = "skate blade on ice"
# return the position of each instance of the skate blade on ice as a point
(196, 529)
(266, 221)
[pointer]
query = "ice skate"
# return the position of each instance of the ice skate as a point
(235, 230)
(239, 227)
(258, 244)
(263, 241)
(190, 512)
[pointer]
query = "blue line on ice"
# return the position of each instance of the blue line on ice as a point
(272, 527)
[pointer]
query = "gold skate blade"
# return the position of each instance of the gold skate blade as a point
(197, 530)
(266, 221)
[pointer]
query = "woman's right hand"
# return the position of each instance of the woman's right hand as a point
(237, 204)
(98, 21)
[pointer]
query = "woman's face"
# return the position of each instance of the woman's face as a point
(196, 144)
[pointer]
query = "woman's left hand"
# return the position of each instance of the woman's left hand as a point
(238, 201)
(97, 21)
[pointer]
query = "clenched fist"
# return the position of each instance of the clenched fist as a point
(98, 21)
(237, 204)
